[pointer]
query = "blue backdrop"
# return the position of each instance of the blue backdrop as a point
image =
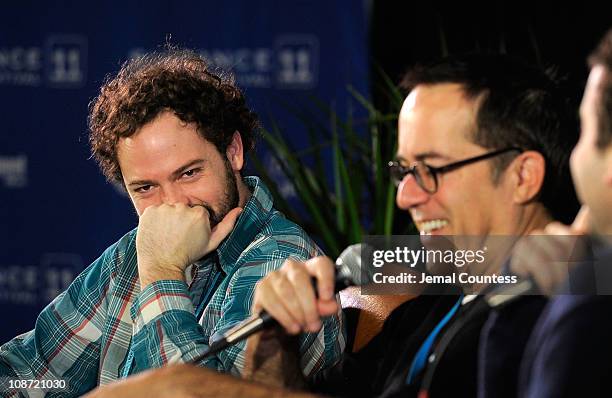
(57, 213)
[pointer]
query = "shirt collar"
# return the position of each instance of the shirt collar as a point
(251, 221)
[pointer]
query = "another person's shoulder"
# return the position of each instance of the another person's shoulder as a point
(587, 290)
(569, 309)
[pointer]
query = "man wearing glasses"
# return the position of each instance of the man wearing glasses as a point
(483, 150)
(426, 176)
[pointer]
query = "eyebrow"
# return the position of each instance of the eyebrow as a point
(424, 156)
(174, 174)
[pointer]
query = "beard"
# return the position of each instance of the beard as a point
(230, 197)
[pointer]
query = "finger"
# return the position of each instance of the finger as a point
(582, 223)
(223, 229)
(549, 268)
(564, 245)
(199, 209)
(148, 210)
(288, 297)
(518, 261)
(304, 292)
(323, 269)
(267, 299)
(530, 260)
(557, 228)
(327, 307)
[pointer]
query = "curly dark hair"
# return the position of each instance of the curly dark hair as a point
(177, 80)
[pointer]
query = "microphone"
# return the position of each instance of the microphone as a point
(348, 273)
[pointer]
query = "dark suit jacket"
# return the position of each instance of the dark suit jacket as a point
(381, 368)
(570, 351)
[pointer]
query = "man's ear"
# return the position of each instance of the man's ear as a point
(528, 170)
(235, 152)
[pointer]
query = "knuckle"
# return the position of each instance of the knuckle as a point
(320, 265)
(283, 287)
(259, 301)
(325, 269)
(293, 266)
(271, 278)
(151, 209)
(297, 272)
(260, 287)
(290, 265)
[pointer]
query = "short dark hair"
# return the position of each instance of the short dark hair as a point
(519, 106)
(603, 56)
(177, 80)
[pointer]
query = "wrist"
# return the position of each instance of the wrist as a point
(147, 278)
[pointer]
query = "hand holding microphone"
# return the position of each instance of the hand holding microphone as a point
(297, 295)
(289, 296)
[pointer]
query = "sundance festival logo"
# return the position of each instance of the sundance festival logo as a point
(32, 284)
(66, 58)
(298, 61)
(60, 62)
(14, 171)
(289, 62)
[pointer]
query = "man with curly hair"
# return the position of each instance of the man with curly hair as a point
(175, 134)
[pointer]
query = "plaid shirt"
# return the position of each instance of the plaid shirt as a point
(86, 334)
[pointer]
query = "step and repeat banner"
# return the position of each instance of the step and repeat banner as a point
(57, 213)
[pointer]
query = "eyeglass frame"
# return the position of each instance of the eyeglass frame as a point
(434, 171)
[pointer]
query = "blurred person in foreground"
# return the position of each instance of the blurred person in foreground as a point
(570, 349)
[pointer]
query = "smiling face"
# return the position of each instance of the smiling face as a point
(435, 124)
(168, 161)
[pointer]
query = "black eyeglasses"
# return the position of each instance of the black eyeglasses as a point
(426, 176)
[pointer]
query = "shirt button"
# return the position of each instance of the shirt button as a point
(432, 358)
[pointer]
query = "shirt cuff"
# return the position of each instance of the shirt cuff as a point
(158, 298)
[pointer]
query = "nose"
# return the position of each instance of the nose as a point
(173, 194)
(410, 194)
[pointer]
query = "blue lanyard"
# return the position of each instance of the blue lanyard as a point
(421, 356)
(130, 357)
